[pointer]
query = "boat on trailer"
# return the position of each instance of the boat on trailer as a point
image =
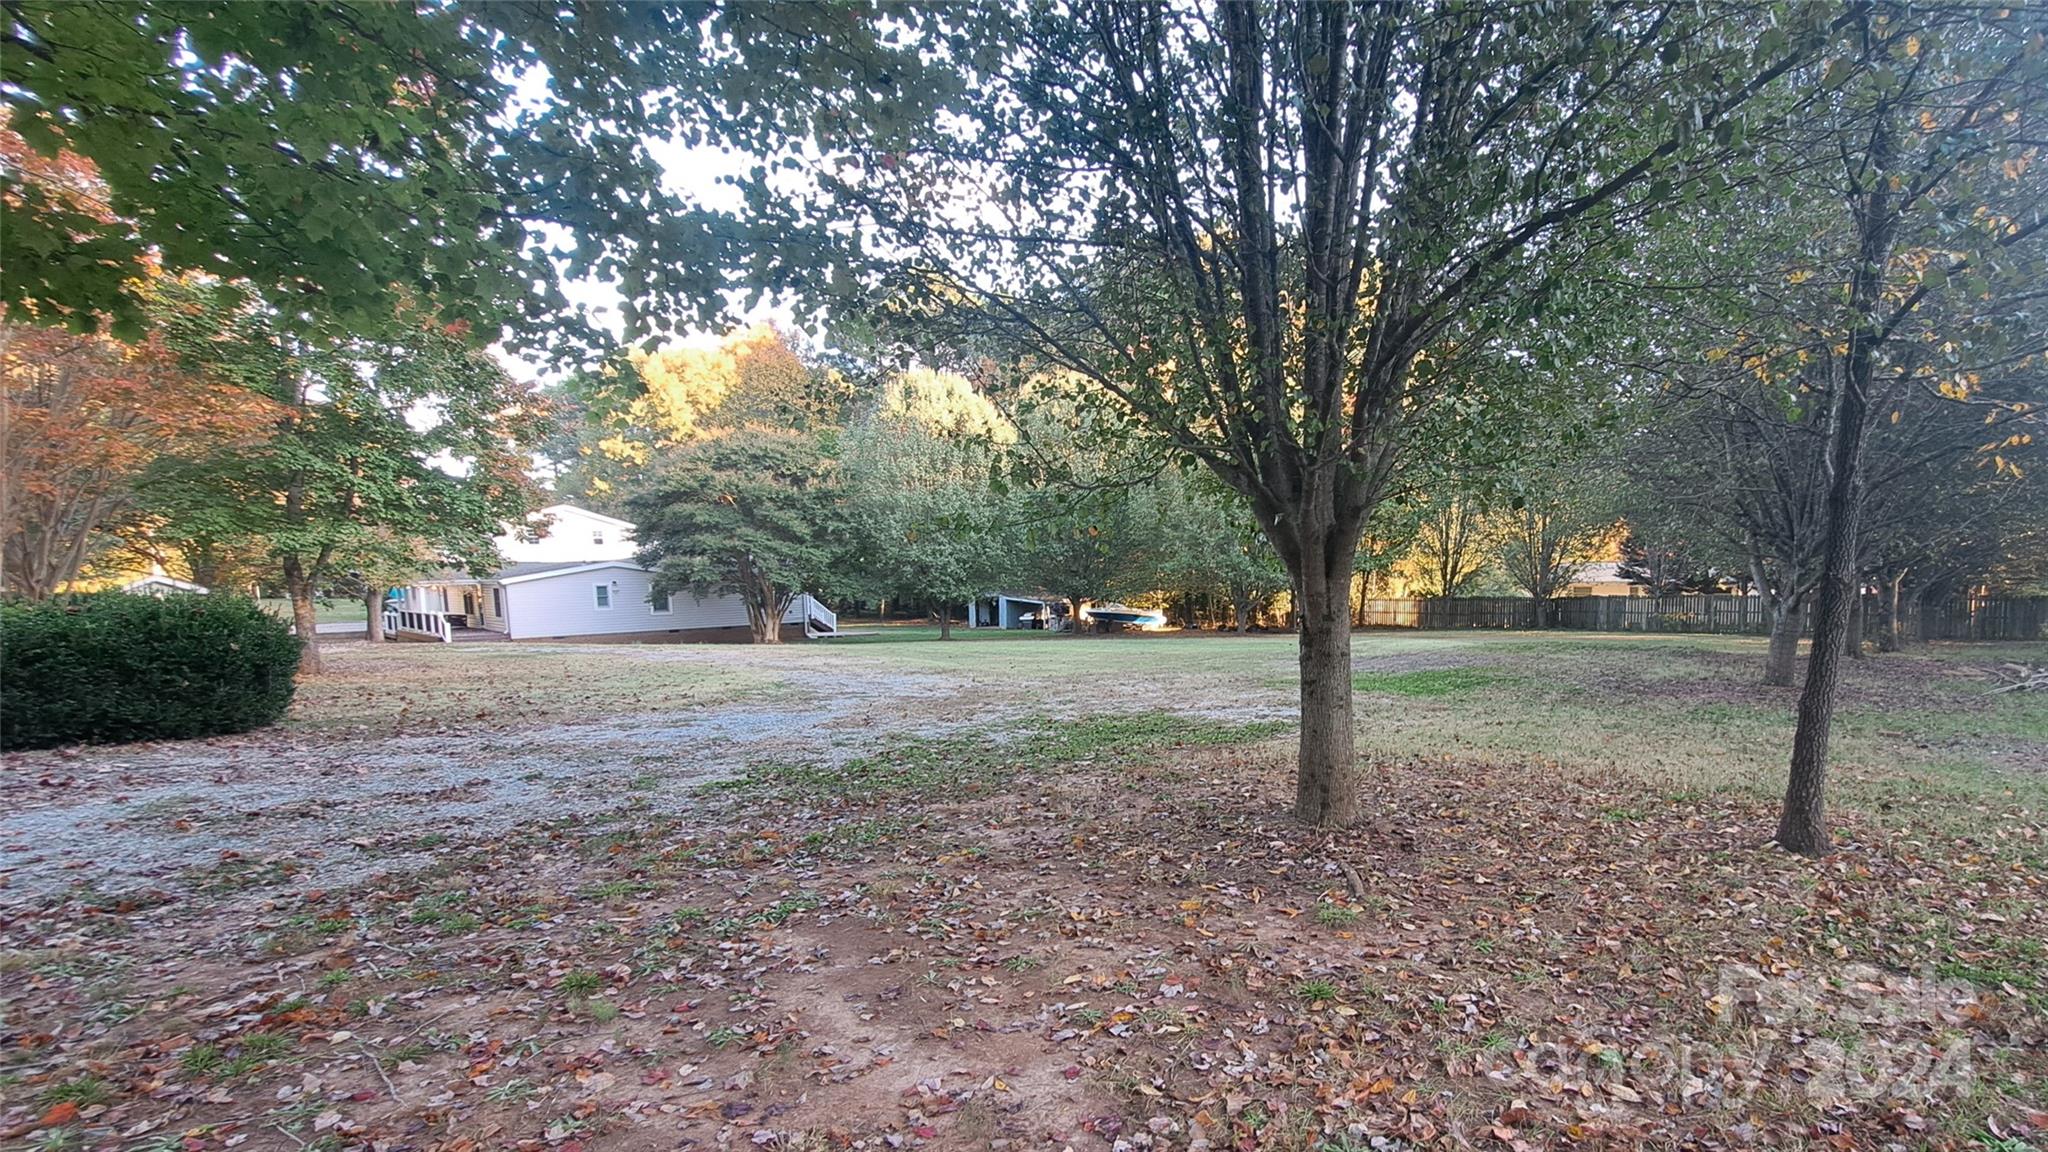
(1127, 616)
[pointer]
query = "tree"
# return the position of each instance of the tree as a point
(1210, 543)
(1563, 519)
(1966, 524)
(1663, 559)
(924, 523)
(379, 559)
(635, 407)
(1900, 221)
(1922, 150)
(751, 510)
(1266, 234)
(408, 437)
(348, 161)
(81, 419)
(1738, 456)
(1452, 545)
(1085, 530)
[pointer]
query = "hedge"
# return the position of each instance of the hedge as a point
(113, 667)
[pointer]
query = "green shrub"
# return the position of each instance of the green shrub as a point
(111, 667)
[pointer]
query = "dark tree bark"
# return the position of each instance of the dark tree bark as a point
(298, 587)
(373, 605)
(765, 604)
(945, 622)
(1326, 787)
(1802, 826)
(1781, 664)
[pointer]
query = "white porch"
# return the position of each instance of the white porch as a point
(446, 610)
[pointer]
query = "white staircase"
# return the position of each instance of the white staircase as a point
(819, 621)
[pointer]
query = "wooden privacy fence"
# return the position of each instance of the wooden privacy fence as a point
(1971, 618)
(1979, 618)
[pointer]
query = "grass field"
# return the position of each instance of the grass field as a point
(1038, 890)
(324, 611)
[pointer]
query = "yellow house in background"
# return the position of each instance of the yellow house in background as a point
(1603, 579)
(152, 581)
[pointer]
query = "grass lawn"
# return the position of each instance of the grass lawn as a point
(1026, 891)
(324, 611)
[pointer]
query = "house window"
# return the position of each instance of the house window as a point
(659, 600)
(597, 537)
(604, 595)
(498, 603)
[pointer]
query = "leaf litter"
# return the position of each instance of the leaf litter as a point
(1096, 931)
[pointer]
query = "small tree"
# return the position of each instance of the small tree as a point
(1453, 545)
(407, 435)
(1663, 559)
(754, 511)
(1085, 531)
(1886, 259)
(1209, 543)
(81, 420)
(1555, 532)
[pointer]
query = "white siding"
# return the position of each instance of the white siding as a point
(566, 605)
(492, 619)
(573, 535)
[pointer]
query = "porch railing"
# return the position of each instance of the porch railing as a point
(429, 624)
(818, 619)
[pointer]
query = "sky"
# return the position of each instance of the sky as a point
(696, 174)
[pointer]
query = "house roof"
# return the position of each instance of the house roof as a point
(525, 570)
(161, 580)
(517, 573)
(1603, 572)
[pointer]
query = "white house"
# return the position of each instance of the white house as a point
(569, 574)
(562, 532)
(159, 585)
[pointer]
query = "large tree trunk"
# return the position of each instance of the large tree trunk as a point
(373, 607)
(767, 621)
(764, 603)
(1782, 662)
(298, 586)
(1326, 779)
(1241, 613)
(945, 622)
